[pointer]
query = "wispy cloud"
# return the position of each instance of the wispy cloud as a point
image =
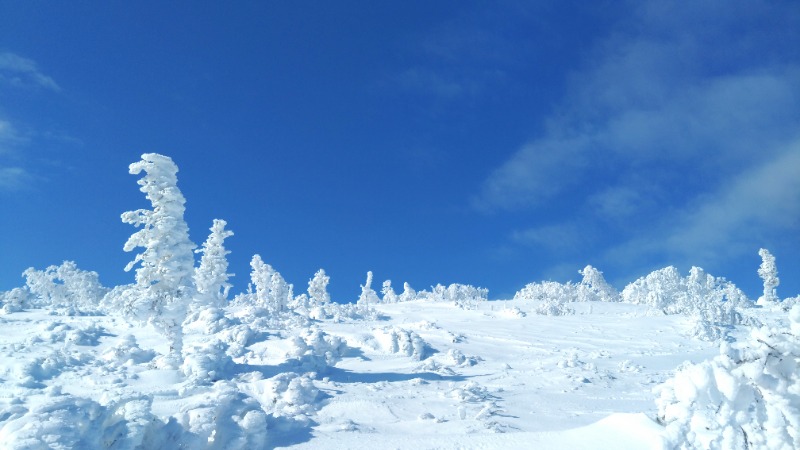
(14, 178)
(9, 137)
(723, 224)
(561, 238)
(536, 173)
(687, 132)
(22, 72)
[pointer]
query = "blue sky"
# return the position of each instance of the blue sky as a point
(489, 143)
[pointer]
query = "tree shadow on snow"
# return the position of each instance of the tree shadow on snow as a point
(346, 376)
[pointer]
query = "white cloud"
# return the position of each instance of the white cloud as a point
(22, 72)
(752, 205)
(534, 174)
(10, 138)
(677, 143)
(617, 203)
(14, 178)
(657, 104)
(761, 199)
(560, 238)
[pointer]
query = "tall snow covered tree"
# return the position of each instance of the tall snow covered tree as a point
(164, 279)
(211, 277)
(768, 272)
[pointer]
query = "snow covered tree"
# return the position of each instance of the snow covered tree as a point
(594, 287)
(552, 297)
(282, 292)
(658, 289)
(15, 300)
(389, 296)
(746, 398)
(272, 291)
(318, 289)
(711, 303)
(211, 277)
(368, 296)
(768, 272)
(66, 288)
(164, 279)
(261, 277)
(408, 293)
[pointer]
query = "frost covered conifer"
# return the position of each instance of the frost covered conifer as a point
(389, 296)
(768, 272)
(261, 277)
(272, 291)
(594, 287)
(408, 293)
(211, 277)
(164, 279)
(368, 296)
(318, 289)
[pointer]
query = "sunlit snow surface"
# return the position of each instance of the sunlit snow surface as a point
(425, 375)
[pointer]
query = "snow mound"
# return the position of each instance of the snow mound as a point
(64, 421)
(397, 340)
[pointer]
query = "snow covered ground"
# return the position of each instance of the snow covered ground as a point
(424, 374)
(171, 363)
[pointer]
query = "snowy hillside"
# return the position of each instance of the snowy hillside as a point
(172, 361)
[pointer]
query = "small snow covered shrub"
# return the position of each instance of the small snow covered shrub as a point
(553, 307)
(552, 297)
(711, 303)
(238, 337)
(457, 358)
(389, 295)
(15, 300)
(746, 398)
(207, 362)
(593, 287)
(315, 351)
(788, 303)
(64, 421)
(548, 290)
(65, 289)
(286, 395)
(223, 419)
(404, 342)
(128, 352)
(464, 296)
(207, 321)
(408, 293)
(270, 297)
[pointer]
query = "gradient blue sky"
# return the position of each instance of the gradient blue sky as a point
(489, 143)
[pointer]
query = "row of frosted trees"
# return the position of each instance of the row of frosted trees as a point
(169, 288)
